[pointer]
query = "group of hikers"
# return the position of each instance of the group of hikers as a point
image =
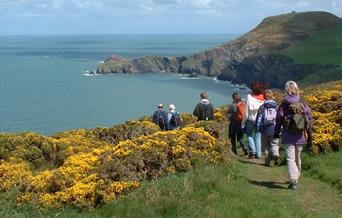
(169, 121)
(262, 120)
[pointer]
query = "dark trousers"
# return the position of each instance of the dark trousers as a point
(236, 133)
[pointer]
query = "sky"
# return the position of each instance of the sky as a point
(26, 17)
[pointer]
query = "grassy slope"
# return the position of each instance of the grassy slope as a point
(324, 48)
(246, 190)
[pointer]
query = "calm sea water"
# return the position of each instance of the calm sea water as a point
(44, 89)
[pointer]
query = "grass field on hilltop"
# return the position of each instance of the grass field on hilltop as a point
(324, 51)
(324, 47)
(246, 190)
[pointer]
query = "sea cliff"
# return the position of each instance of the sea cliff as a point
(256, 55)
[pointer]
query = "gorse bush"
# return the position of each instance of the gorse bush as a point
(326, 103)
(129, 130)
(87, 168)
(13, 173)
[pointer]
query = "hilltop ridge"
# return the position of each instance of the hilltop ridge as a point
(254, 55)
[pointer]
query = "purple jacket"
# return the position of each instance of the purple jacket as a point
(265, 130)
(291, 138)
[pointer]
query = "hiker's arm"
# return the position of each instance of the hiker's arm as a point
(259, 120)
(244, 119)
(166, 118)
(211, 112)
(196, 111)
(154, 117)
(279, 121)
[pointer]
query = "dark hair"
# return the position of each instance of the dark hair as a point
(236, 97)
(258, 87)
(204, 95)
(269, 94)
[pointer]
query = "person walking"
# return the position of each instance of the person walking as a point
(254, 101)
(174, 119)
(236, 113)
(204, 110)
(265, 124)
(159, 117)
(294, 122)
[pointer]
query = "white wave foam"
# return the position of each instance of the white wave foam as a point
(90, 73)
(187, 77)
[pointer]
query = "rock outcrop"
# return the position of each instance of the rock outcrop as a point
(250, 56)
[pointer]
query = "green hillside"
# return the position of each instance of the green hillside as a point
(323, 51)
(324, 47)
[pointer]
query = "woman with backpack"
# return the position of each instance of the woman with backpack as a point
(294, 119)
(236, 113)
(254, 101)
(265, 124)
(174, 119)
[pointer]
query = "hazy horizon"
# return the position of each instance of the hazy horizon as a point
(122, 34)
(146, 17)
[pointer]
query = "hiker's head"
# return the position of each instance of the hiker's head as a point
(236, 97)
(258, 88)
(291, 88)
(204, 95)
(172, 107)
(269, 94)
(160, 106)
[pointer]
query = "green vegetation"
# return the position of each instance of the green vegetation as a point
(322, 52)
(324, 47)
(246, 190)
(325, 167)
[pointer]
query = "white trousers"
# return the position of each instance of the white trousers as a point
(292, 153)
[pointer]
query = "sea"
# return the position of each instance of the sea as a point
(45, 86)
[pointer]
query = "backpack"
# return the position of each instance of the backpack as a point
(296, 120)
(206, 112)
(161, 120)
(269, 116)
(175, 120)
(240, 111)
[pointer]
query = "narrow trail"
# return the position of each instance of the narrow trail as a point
(312, 194)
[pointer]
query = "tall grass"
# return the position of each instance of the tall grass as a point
(325, 167)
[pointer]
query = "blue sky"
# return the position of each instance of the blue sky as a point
(146, 16)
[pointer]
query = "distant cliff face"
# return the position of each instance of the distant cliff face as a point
(251, 56)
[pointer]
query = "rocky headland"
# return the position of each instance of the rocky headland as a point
(256, 55)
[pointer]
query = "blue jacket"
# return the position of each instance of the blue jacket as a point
(169, 116)
(265, 130)
(164, 115)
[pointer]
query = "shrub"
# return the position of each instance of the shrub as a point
(90, 178)
(13, 173)
(326, 103)
(129, 130)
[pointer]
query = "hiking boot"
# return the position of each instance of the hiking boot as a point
(267, 162)
(256, 156)
(276, 160)
(245, 152)
(251, 155)
(293, 185)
